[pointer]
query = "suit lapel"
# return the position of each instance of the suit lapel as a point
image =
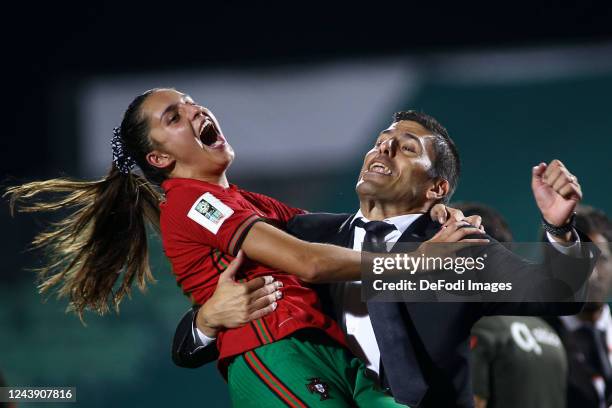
(423, 313)
(420, 230)
(391, 323)
(344, 235)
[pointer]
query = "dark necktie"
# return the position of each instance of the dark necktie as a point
(376, 231)
(374, 241)
(597, 353)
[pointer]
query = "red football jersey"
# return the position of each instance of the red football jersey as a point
(203, 226)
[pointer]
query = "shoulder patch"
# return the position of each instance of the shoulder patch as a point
(209, 212)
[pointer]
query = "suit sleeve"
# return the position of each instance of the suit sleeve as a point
(282, 211)
(317, 227)
(555, 287)
(185, 353)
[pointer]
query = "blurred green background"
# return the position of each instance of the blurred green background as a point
(502, 130)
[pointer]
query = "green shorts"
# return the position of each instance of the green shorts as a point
(307, 369)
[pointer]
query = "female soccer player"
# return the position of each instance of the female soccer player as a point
(294, 356)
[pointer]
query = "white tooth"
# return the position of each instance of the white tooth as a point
(380, 168)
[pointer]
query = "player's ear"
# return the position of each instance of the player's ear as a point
(160, 160)
(437, 190)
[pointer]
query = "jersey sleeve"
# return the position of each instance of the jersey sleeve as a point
(218, 220)
(283, 212)
(483, 345)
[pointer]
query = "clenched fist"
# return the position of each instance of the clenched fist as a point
(556, 191)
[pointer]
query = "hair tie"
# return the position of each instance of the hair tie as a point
(122, 160)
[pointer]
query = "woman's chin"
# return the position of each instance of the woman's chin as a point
(224, 161)
(228, 156)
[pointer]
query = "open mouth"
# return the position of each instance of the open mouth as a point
(210, 136)
(380, 168)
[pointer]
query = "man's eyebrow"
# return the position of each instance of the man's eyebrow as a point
(405, 134)
(413, 137)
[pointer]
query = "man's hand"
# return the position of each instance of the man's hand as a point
(234, 304)
(452, 231)
(556, 192)
(456, 231)
(443, 213)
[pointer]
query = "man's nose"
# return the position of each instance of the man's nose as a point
(388, 147)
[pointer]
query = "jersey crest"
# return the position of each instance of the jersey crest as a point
(316, 386)
(209, 212)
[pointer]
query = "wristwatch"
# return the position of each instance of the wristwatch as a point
(559, 231)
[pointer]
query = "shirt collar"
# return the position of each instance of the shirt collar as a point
(170, 183)
(401, 222)
(605, 320)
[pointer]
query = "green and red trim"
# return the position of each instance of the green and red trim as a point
(262, 331)
(271, 381)
(219, 260)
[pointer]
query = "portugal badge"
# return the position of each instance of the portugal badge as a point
(317, 386)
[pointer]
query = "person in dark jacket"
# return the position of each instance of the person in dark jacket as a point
(587, 336)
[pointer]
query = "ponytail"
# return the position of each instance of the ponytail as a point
(103, 238)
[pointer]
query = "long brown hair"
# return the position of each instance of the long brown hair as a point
(104, 237)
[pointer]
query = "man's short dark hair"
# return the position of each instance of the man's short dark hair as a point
(446, 163)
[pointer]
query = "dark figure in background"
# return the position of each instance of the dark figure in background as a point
(517, 361)
(587, 336)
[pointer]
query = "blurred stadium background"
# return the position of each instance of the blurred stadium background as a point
(301, 99)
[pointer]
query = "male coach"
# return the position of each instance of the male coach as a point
(420, 350)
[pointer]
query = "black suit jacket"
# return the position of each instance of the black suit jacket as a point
(429, 338)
